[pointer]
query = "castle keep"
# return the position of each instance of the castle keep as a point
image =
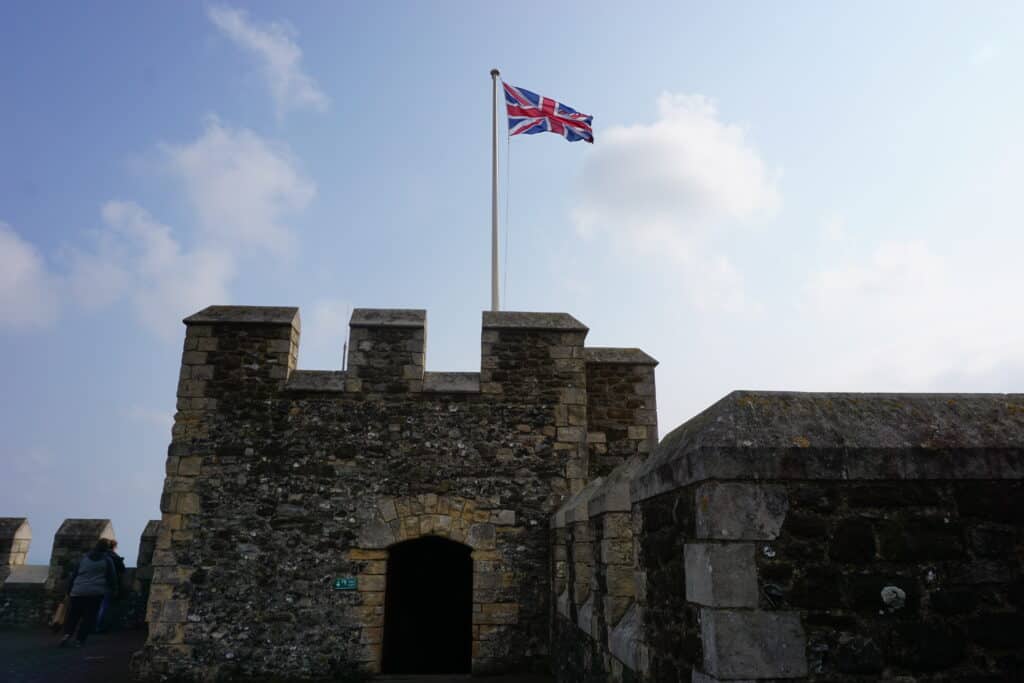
(383, 518)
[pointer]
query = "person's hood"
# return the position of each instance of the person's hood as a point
(94, 556)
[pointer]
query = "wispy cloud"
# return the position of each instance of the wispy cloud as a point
(907, 317)
(280, 58)
(667, 186)
(241, 186)
(137, 258)
(28, 292)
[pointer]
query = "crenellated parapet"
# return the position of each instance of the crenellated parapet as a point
(29, 593)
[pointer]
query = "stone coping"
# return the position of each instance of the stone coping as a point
(316, 380)
(520, 320)
(575, 509)
(789, 435)
(613, 494)
(388, 317)
(273, 315)
(94, 528)
(28, 574)
(611, 355)
(152, 529)
(452, 382)
(15, 527)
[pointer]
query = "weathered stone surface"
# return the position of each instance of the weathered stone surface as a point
(753, 644)
(388, 317)
(463, 382)
(518, 320)
(15, 539)
(790, 435)
(317, 380)
(626, 641)
(736, 511)
(241, 315)
(721, 574)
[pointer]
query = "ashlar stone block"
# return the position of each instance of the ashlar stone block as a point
(753, 644)
(721, 574)
(740, 511)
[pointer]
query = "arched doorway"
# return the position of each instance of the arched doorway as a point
(428, 607)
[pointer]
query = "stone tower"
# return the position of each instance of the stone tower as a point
(383, 517)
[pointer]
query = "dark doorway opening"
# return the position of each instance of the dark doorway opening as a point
(428, 610)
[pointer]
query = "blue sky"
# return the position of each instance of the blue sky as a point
(806, 196)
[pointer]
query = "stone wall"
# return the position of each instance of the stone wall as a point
(281, 480)
(818, 537)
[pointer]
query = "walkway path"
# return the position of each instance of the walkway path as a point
(32, 656)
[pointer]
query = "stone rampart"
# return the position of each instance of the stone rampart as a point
(816, 537)
(283, 483)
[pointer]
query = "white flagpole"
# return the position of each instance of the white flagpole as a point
(494, 190)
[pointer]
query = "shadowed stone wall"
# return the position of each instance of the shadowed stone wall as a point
(838, 537)
(281, 480)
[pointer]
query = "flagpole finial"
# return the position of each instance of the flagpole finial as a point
(495, 73)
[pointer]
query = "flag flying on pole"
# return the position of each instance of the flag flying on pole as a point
(530, 113)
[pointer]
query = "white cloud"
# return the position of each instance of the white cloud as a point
(674, 176)
(324, 332)
(28, 292)
(241, 186)
(137, 258)
(665, 188)
(910, 319)
(984, 53)
(834, 228)
(280, 58)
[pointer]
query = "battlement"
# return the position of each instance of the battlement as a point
(231, 349)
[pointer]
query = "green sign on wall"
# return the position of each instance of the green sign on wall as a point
(345, 583)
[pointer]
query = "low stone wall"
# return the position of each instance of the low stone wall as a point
(24, 600)
(596, 619)
(820, 537)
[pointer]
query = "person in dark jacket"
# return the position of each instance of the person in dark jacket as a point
(93, 577)
(119, 571)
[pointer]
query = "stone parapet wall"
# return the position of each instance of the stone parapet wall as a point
(826, 537)
(597, 601)
(280, 481)
(29, 594)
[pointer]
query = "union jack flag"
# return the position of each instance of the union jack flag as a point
(530, 113)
